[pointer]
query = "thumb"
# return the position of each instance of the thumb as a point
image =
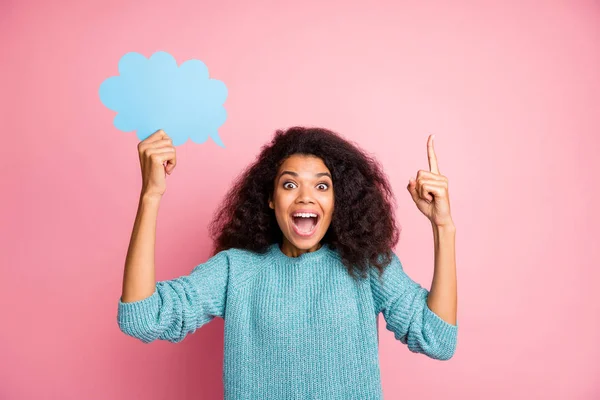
(412, 189)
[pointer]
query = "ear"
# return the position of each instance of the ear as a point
(271, 205)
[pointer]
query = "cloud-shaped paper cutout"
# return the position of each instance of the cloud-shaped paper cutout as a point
(152, 94)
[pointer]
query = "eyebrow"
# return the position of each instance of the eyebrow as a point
(296, 174)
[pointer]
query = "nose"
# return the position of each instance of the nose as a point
(305, 195)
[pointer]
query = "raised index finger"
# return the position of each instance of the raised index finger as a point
(433, 166)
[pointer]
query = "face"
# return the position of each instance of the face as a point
(303, 184)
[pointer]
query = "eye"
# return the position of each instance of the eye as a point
(292, 183)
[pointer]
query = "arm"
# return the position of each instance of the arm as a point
(426, 321)
(405, 309)
(442, 299)
(167, 310)
(178, 307)
(138, 276)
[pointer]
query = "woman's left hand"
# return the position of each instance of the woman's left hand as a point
(430, 191)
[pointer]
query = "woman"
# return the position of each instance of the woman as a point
(302, 265)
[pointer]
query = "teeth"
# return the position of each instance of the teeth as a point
(304, 215)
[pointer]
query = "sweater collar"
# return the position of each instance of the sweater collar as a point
(323, 251)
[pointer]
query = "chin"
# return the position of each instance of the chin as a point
(304, 244)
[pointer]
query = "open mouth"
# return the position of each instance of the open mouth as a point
(305, 224)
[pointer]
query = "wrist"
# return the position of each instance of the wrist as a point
(150, 197)
(447, 227)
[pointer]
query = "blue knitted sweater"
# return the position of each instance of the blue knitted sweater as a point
(295, 327)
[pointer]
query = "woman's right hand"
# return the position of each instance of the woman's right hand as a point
(154, 151)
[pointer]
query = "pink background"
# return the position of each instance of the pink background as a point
(512, 91)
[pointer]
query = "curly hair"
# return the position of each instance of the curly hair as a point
(362, 229)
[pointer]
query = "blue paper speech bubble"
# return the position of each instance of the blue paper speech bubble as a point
(152, 94)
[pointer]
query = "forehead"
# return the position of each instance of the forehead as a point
(303, 163)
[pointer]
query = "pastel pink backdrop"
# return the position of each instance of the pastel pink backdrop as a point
(511, 89)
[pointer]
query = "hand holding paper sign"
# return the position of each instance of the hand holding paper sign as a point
(155, 151)
(152, 94)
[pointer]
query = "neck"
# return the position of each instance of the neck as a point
(290, 250)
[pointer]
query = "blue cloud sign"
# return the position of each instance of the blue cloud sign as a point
(154, 93)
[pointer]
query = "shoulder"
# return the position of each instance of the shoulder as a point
(394, 277)
(243, 264)
(392, 265)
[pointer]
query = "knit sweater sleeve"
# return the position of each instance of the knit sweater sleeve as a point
(403, 303)
(178, 306)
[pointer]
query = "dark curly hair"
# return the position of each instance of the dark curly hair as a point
(362, 229)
